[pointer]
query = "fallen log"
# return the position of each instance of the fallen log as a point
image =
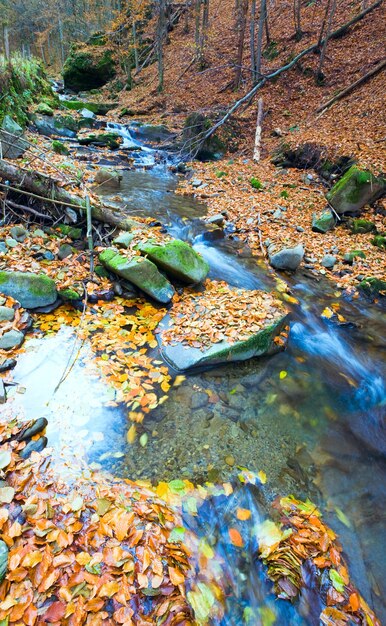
(345, 92)
(46, 189)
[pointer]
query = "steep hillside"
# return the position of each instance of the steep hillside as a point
(352, 126)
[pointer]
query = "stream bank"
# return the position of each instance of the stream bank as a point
(279, 416)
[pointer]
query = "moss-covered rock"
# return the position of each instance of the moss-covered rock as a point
(71, 294)
(109, 177)
(103, 140)
(350, 257)
(379, 241)
(178, 259)
(183, 358)
(59, 147)
(86, 69)
(99, 108)
(23, 82)
(44, 109)
(59, 126)
(359, 226)
(31, 290)
(323, 222)
(354, 190)
(70, 231)
(373, 287)
(140, 272)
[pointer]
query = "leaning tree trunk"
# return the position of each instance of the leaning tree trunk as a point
(47, 190)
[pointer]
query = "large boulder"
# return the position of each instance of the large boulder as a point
(103, 140)
(12, 143)
(61, 126)
(354, 190)
(151, 133)
(287, 258)
(140, 272)
(178, 259)
(31, 290)
(221, 325)
(87, 68)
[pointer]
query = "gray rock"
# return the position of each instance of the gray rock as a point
(196, 182)
(7, 364)
(19, 233)
(108, 178)
(3, 393)
(354, 190)
(199, 400)
(31, 290)
(323, 222)
(6, 314)
(11, 339)
(11, 242)
(65, 251)
(3, 247)
(12, 143)
(48, 255)
(50, 127)
(300, 229)
(217, 219)
(328, 261)
(287, 258)
(87, 114)
(123, 240)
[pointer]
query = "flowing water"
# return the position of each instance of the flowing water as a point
(312, 417)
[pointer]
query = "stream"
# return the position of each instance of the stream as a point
(317, 431)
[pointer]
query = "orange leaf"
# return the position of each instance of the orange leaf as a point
(235, 537)
(243, 514)
(176, 577)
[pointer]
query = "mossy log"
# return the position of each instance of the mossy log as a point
(46, 189)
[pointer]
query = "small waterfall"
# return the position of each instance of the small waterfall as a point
(142, 154)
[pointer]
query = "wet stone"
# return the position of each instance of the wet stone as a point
(19, 233)
(6, 314)
(199, 400)
(11, 339)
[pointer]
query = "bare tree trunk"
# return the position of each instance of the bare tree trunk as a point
(6, 42)
(160, 39)
(297, 20)
(266, 24)
(324, 23)
(135, 45)
(241, 26)
(262, 18)
(252, 30)
(60, 29)
(319, 73)
(256, 150)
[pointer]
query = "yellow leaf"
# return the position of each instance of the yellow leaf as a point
(131, 434)
(262, 476)
(109, 589)
(283, 374)
(83, 558)
(243, 514)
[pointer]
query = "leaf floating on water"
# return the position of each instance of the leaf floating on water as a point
(131, 434)
(262, 476)
(201, 600)
(77, 504)
(235, 537)
(7, 494)
(328, 313)
(283, 374)
(337, 580)
(243, 514)
(5, 458)
(177, 486)
(143, 439)
(333, 617)
(342, 517)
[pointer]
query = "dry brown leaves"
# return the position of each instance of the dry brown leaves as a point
(220, 313)
(97, 552)
(302, 538)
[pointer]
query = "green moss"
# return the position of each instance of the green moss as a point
(99, 108)
(178, 259)
(44, 109)
(284, 194)
(355, 189)
(59, 147)
(70, 295)
(70, 231)
(359, 226)
(324, 222)
(23, 82)
(373, 287)
(108, 140)
(85, 69)
(31, 290)
(140, 272)
(256, 183)
(350, 257)
(379, 241)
